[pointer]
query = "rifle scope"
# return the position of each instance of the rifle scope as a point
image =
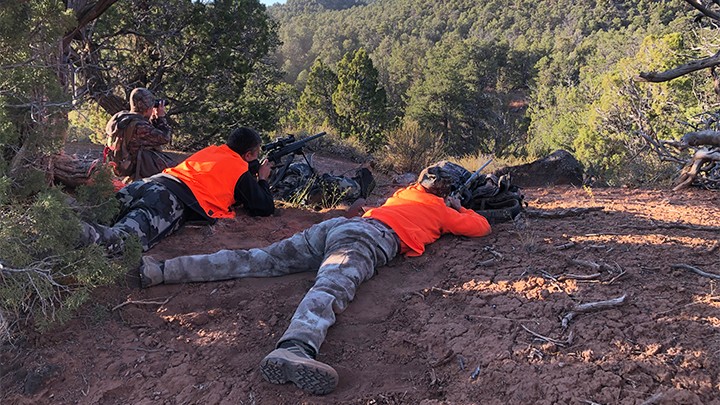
(279, 143)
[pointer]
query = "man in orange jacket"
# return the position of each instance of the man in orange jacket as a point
(205, 186)
(345, 253)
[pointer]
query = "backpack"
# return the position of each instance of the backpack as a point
(120, 130)
(495, 198)
(302, 186)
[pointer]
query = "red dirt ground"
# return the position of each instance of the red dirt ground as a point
(449, 327)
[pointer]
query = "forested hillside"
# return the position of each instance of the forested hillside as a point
(467, 70)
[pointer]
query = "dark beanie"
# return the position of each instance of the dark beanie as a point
(243, 140)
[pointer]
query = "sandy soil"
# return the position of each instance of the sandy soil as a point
(472, 321)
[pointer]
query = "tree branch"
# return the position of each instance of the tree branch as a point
(715, 16)
(689, 67)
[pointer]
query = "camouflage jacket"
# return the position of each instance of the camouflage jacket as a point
(147, 133)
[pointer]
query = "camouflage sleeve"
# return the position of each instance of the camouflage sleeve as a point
(156, 133)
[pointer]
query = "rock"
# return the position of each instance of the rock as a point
(560, 167)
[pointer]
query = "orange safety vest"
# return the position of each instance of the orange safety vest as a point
(211, 174)
(419, 218)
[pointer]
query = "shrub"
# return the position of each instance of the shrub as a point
(410, 148)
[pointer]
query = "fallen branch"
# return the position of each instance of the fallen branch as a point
(689, 173)
(568, 212)
(698, 271)
(565, 246)
(622, 273)
(579, 276)
(592, 306)
(141, 303)
(545, 338)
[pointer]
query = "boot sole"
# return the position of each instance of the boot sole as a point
(309, 375)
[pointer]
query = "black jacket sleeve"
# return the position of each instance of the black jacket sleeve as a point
(254, 195)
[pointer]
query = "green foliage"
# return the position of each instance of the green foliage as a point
(316, 103)
(207, 58)
(359, 100)
(96, 200)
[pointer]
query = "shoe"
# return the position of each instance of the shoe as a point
(151, 272)
(294, 364)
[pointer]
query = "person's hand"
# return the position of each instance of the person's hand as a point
(159, 111)
(265, 169)
(453, 202)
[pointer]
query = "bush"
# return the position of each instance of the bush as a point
(43, 276)
(410, 149)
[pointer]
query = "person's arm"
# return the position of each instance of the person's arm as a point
(462, 221)
(254, 195)
(156, 133)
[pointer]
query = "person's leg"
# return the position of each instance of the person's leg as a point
(353, 250)
(150, 211)
(301, 252)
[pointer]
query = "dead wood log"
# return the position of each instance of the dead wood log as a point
(568, 212)
(705, 137)
(592, 306)
(71, 170)
(689, 173)
(696, 270)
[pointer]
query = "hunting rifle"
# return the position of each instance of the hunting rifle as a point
(286, 146)
(459, 192)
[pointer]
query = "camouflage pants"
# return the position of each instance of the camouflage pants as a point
(344, 252)
(148, 210)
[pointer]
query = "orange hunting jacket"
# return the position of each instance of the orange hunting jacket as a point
(420, 218)
(211, 174)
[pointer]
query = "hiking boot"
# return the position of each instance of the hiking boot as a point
(294, 364)
(151, 272)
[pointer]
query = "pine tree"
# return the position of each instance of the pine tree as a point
(359, 100)
(316, 103)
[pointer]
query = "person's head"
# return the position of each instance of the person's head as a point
(142, 102)
(436, 180)
(245, 142)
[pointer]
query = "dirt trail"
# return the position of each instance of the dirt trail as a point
(449, 327)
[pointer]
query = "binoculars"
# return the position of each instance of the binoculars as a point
(158, 100)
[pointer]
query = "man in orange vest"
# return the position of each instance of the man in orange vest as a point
(345, 253)
(204, 186)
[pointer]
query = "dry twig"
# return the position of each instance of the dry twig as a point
(698, 271)
(592, 306)
(565, 246)
(545, 338)
(653, 399)
(579, 276)
(142, 303)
